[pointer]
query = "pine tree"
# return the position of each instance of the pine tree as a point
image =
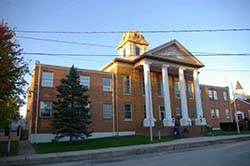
(72, 117)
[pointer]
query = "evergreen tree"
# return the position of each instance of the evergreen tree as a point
(72, 117)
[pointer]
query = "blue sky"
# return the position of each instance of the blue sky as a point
(117, 15)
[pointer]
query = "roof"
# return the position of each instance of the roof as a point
(241, 100)
(238, 86)
(170, 52)
(174, 51)
(132, 36)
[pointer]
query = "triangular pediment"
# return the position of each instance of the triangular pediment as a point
(174, 51)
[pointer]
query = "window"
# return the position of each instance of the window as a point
(178, 112)
(106, 84)
(227, 114)
(45, 109)
(137, 50)
(212, 94)
(177, 89)
(162, 112)
(84, 80)
(215, 95)
(126, 85)
(47, 79)
(124, 52)
(159, 87)
(127, 111)
(107, 111)
(143, 86)
(190, 90)
(225, 96)
(240, 115)
(193, 112)
(215, 113)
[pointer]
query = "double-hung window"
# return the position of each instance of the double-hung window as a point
(47, 79)
(45, 109)
(107, 111)
(106, 84)
(127, 111)
(84, 80)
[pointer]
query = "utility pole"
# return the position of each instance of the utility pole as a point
(235, 110)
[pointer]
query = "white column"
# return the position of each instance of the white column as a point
(185, 120)
(149, 121)
(167, 121)
(200, 120)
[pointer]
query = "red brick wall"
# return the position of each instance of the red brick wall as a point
(242, 106)
(97, 98)
(220, 104)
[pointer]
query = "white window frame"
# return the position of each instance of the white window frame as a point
(210, 94)
(124, 106)
(82, 81)
(126, 82)
(107, 110)
(215, 113)
(47, 79)
(106, 88)
(41, 109)
(240, 113)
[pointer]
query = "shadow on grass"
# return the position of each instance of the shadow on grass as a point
(98, 143)
(13, 148)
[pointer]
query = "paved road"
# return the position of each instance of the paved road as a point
(233, 154)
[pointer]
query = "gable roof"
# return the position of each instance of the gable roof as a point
(244, 101)
(174, 51)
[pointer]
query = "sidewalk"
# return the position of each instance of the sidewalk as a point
(35, 159)
(25, 148)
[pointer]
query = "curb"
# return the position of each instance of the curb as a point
(50, 158)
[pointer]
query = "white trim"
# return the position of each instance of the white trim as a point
(48, 137)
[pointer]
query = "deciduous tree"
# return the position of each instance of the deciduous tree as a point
(13, 68)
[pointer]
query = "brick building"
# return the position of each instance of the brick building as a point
(216, 105)
(129, 94)
(241, 104)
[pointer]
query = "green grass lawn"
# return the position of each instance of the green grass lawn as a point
(96, 143)
(13, 148)
(220, 132)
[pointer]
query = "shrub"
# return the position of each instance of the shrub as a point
(225, 126)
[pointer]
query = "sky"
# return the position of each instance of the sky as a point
(142, 15)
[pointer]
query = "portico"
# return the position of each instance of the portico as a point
(169, 120)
